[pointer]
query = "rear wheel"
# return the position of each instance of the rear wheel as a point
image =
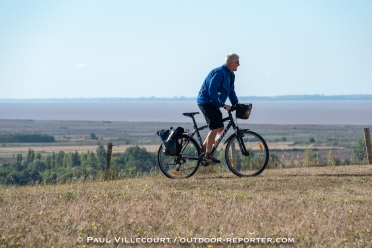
(182, 165)
(252, 164)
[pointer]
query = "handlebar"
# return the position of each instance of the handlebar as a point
(232, 109)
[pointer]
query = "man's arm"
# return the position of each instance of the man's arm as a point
(232, 96)
(215, 83)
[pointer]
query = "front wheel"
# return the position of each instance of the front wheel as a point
(183, 165)
(251, 164)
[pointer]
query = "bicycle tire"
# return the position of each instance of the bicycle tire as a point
(255, 162)
(183, 165)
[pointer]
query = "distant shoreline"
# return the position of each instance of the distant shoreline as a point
(269, 112)
(241, 98)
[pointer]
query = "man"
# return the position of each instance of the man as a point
(217, 86)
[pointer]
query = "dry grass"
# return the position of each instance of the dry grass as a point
(289, 145)
(318, 207)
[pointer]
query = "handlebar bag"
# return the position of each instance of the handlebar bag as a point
(243, 110)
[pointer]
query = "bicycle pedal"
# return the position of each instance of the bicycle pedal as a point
(204, 163)
(201, 159)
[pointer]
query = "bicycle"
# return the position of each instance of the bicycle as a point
(251, 161)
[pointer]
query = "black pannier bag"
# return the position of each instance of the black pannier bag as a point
(243, 110)
(171, 141)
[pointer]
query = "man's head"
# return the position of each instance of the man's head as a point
(232, 61)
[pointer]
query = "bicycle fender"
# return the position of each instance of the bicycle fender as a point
(233, 135)
(228, 139)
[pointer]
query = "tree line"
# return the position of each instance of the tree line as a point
(25, 138)
(62, 166)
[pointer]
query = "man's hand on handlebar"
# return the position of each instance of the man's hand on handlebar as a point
(227, 107)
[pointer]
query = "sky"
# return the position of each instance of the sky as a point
(104, 49)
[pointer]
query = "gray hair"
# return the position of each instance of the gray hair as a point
(230, 58)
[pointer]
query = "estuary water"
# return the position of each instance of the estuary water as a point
(345, 112)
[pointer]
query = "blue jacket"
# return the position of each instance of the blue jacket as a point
(217, 86)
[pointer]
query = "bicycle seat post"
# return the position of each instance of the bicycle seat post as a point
(193, 120)
(192, 117)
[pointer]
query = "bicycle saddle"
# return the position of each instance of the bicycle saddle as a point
(190, 114)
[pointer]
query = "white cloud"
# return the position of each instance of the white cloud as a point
(81, 66)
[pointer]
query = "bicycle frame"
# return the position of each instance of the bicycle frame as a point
(185, 163)
(218, 141)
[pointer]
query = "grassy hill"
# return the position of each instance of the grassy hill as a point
(309, 207)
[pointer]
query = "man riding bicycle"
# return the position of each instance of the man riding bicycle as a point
(217, 86)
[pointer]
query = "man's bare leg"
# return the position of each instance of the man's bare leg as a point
(208, 143)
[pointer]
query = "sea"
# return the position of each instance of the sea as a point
(309, 112)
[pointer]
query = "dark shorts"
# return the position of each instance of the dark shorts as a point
(213, 116)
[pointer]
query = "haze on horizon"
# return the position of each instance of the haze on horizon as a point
(106, 49)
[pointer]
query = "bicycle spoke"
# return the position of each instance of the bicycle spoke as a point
(183, 165)
(250, 165)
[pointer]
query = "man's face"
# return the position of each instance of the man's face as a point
(233, 66)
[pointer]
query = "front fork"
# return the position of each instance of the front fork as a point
(239, 137)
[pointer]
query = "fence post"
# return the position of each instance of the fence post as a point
(108, 159)
(368, 145)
